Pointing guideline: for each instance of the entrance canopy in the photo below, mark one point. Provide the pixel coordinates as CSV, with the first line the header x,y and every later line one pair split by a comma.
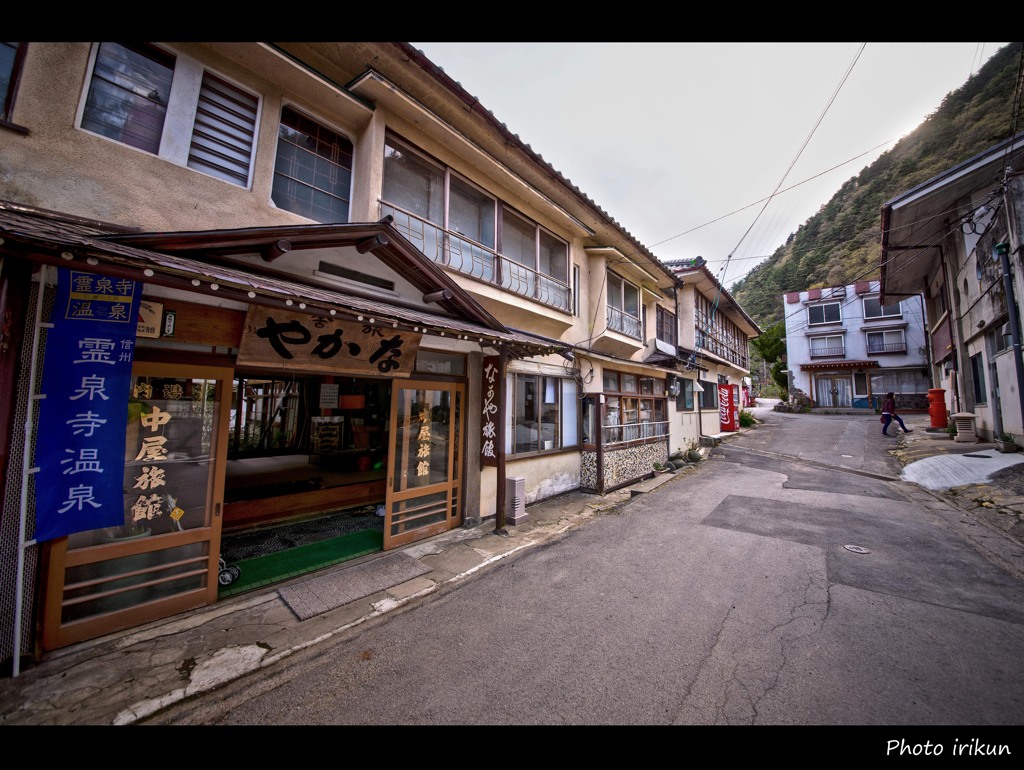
x,y
843,364
211,267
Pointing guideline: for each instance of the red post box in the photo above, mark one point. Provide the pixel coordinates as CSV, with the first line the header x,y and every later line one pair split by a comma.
x,y
937,407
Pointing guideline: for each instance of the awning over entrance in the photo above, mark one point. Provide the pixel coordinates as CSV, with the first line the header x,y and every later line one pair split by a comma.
x,y
61,240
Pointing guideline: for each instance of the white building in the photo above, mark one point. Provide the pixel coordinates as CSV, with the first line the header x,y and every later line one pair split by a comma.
x,y
845,349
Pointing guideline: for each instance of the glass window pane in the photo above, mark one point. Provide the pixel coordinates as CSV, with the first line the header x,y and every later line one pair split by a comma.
x,y
470,212
518,239
570,421
313,169
614,291
527,428
631,300
422,438
588,420
611,411
686,395
630,411
412,184
128,95
553,259
8,52
550,423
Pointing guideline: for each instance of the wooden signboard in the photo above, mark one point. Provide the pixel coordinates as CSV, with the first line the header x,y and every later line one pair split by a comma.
x,y
489,424
278,339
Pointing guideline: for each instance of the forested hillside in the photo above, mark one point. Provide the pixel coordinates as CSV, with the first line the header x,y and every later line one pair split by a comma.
x,y
841,243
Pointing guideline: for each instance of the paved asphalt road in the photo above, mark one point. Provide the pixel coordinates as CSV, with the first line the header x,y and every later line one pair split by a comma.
x,y
790,579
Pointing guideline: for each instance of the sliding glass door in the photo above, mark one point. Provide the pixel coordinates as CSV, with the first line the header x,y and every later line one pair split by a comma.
x,y
424,465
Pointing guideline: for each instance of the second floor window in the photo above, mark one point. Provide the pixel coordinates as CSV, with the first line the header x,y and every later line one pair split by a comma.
x,y
717,334
471,213
827,313
128,95
11,56
666,325
829,346
224,133
889,341
131,100
313,171
457,224
624,307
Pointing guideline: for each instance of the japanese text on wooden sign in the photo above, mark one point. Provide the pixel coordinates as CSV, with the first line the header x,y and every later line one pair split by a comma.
x,y
282,340
489,419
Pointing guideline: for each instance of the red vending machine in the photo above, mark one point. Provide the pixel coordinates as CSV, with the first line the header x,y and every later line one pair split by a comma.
x,y
729,407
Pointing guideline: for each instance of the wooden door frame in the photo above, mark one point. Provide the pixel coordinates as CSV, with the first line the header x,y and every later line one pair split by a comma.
x,y
453,484
59,558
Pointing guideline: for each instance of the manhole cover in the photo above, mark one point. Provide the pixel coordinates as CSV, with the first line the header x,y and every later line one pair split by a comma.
x,y
856,548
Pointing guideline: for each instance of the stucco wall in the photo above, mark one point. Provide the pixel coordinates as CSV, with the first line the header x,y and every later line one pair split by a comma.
x,y
546,476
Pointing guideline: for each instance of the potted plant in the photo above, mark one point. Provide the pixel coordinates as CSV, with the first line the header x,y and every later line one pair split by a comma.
x,y
1004,443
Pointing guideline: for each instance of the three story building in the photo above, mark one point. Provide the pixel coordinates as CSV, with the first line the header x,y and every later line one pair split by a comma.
x,y
846,349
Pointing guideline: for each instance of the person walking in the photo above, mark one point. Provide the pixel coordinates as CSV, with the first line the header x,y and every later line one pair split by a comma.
x,y
889,414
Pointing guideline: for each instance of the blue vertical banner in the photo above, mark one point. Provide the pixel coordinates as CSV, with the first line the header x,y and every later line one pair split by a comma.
x,y
87,370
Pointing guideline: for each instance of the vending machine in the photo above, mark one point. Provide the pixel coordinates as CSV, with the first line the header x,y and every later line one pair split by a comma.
x,y
729,407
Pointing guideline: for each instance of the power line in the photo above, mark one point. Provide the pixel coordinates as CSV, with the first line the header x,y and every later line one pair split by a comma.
x,y
776,194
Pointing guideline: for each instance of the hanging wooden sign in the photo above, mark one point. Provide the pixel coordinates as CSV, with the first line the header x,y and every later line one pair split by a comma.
x,y
277,339
489,421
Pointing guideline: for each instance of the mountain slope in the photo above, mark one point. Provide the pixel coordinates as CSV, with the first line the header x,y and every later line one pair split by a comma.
x,y
842,242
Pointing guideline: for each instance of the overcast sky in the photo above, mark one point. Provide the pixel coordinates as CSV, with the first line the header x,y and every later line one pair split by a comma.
x,y
684,143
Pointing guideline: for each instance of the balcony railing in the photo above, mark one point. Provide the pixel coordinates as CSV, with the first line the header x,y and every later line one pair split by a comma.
x,y
623,434
623,323
469,258
733,350
892,347
837,352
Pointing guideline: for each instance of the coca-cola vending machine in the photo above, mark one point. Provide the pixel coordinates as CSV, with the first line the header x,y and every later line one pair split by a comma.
x,y
729,407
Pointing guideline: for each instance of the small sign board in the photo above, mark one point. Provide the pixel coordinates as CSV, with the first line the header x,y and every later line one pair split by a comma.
x,y
151,318
328,395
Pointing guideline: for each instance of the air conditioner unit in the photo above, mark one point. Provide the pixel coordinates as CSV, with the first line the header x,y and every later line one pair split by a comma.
x,y
515,500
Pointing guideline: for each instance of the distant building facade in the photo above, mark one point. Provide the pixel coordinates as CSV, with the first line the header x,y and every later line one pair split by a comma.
x,y
845,349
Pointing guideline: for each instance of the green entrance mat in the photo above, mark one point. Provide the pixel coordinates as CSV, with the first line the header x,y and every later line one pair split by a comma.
x,y
273,568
